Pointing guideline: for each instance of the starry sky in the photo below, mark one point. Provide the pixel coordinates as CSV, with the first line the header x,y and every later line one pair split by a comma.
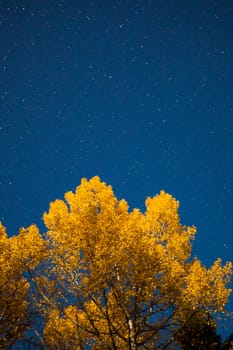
x,y
137,92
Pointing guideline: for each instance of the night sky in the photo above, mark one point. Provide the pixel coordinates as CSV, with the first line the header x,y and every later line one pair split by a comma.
x,y
137,92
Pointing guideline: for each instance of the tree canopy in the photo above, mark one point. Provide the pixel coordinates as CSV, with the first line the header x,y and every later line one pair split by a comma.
x,y
104,277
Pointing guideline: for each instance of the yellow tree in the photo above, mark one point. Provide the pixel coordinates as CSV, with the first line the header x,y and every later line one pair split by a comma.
x,y
120,279
17,254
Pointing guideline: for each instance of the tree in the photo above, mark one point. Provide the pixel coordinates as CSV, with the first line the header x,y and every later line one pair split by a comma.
x,y
199,333
17,254
118,279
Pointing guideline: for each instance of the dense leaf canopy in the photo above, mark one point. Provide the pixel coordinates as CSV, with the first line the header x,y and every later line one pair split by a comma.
x,y
104,277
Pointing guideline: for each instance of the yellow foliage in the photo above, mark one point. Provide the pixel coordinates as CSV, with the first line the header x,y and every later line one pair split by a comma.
x,y
17,255
126,271
105,277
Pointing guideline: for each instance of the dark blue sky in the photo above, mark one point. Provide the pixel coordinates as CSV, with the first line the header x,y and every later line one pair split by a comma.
x,y
137,92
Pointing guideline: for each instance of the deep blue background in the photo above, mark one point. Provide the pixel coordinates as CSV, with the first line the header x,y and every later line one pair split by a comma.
x,y
137,92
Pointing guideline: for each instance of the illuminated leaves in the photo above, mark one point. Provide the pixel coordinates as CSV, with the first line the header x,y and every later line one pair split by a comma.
x,y
129,275
17,255
105,277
